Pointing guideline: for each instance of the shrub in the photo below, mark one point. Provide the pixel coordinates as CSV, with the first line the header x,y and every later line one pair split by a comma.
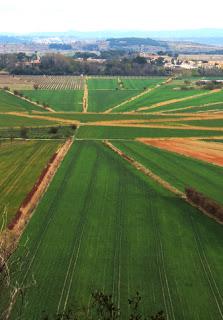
x,y
205,203
53,130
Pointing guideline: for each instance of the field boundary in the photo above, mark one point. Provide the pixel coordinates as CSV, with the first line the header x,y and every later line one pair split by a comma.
x,y
85,97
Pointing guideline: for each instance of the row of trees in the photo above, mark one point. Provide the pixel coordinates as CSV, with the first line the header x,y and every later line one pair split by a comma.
x,y
57,64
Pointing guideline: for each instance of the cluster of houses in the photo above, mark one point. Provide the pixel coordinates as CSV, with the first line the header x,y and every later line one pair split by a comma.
x,y
180,62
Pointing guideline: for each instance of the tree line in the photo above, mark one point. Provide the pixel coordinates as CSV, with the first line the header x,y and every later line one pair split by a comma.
x,y
58,64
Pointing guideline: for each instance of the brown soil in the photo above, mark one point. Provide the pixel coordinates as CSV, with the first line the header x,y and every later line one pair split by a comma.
x,y
158,126
42,117
211,152
85,97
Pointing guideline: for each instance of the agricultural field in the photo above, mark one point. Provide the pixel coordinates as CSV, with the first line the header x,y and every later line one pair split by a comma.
x,y
120,132
213,99
15,83
58,100
10,103
114,215
55,82
177,169
123,83
115,237
21,163
161,95
16,120
101,100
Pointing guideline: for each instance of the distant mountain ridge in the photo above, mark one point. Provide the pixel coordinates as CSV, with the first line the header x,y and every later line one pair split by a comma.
x,y
173,34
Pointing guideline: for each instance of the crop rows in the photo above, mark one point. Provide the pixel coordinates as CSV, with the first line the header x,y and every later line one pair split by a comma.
x,y
56,82
103,225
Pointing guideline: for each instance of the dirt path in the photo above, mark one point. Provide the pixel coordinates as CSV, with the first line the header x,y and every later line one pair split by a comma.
x,y
33,102
41,117
137,96
211,152
153,125
167,102
144,170
85,97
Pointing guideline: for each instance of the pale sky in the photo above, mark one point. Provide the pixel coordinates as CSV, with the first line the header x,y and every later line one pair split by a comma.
x,y
94,15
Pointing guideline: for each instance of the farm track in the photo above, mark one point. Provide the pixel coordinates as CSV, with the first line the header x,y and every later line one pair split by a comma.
x,y
42,117
85,97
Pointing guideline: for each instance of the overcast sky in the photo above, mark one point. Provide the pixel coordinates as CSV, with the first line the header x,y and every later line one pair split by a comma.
x,y
94,15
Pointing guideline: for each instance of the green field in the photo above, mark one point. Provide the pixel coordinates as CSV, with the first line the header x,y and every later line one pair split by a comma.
x,y
107,132
102,84
178,170
102,224
143,83
143,238
9,120
199,101
59,100
101,100
92,117
125,83
21,163
163,93
9,103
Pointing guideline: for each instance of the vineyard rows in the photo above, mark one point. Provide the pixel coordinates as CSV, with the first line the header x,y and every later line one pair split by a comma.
x,y
56,82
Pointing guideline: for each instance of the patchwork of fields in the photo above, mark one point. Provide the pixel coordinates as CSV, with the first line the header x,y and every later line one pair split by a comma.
x,y
109,220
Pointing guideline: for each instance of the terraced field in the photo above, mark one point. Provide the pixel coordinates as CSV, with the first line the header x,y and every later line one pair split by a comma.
x,y
21,163
128,238
115,220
